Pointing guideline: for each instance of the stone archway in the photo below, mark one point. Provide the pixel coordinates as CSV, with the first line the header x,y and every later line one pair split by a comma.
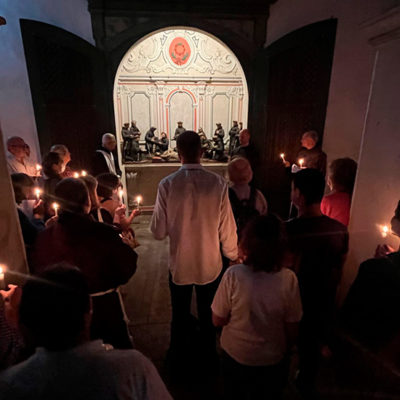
x,y
180,68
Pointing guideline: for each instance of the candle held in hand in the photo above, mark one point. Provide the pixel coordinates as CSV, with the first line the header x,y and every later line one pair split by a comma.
x,y
385,230
76,175
55,208
121,195
2,271
83,173
37,193
301,162
38,169
282,155
139,199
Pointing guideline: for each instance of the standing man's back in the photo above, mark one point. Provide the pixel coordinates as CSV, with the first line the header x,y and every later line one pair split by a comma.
x,y
193,209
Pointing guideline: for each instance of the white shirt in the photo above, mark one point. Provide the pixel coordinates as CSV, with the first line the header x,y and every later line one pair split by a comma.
x,y
243,193
193,209
15,167
258,304
85,372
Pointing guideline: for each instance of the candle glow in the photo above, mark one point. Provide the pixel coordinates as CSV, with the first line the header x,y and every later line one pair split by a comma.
x,y
38,167
301,162
282,155
2,271
76,175
55,206
121,195
83,173
37,193
385,230
139,199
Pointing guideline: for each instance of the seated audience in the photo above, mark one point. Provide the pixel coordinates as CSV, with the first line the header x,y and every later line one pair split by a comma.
x,y
246,200
23,189
258,304
105,158
319,245
372,304
55,312
52,168
17,158
64,153
97,250
336,205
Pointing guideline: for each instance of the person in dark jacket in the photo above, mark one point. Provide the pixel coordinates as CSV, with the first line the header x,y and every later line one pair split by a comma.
x,y
247,149
105,158
233,137
311,153
97,249
150,139
52,168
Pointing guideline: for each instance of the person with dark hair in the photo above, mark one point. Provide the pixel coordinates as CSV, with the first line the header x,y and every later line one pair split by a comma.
x,y
55,312
91,185
179,130
65,154
319,245
52,168
258,305
105,260
193,209
150,140
311,153
233,137
342,175
23,189
163,143
107,192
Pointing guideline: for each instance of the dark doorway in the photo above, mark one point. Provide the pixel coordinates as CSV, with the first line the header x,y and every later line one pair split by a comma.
x,y
289,96
67,77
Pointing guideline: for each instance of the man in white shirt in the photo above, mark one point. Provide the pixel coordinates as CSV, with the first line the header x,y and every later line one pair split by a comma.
x,y
193,209
17,159
105,159
55,311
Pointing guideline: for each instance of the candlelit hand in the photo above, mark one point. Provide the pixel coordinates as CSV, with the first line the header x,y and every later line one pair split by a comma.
x,y
38,209
287,164
12,298
129,239
382,250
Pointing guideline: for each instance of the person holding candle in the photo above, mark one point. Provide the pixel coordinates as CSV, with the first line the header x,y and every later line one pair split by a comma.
x,y
64,153
311,153
98,250
17,158
56,313
24,187
319,245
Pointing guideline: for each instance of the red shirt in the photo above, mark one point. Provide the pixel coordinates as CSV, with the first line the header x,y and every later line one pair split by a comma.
x,y
337,206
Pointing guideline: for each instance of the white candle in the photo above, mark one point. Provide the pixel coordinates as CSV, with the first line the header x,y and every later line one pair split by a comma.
x,y
83,173
301,162
37,193
139,199
2,271
55,208
385,230
38,169
76,175
282,155
121,195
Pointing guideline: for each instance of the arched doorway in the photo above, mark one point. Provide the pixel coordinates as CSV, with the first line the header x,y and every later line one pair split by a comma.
x,y
180,74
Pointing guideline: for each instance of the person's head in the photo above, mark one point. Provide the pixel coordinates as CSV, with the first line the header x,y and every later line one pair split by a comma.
x,y
108,185
244,137
23,186
308,187
73,196
17,147
219,125
163,135
263,243
52,164
108,141
133,123
91,185
240,171
55,308
189,147
153,129
180,123
200,131
235,123
126,125
27,150
309,139
64,153
342,175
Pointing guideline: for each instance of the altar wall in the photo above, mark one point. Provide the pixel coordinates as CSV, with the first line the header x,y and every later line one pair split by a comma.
x,y
148,176
180,74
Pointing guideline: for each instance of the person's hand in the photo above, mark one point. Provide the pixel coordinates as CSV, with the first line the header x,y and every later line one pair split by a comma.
x,y
12,298
128,238
38,209
382,250
51,221
120,210
287,164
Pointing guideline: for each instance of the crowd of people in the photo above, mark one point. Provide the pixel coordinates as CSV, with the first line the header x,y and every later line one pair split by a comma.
x,y
269,285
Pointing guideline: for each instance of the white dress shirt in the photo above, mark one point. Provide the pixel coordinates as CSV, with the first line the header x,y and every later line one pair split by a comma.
x,y
15,167
193,209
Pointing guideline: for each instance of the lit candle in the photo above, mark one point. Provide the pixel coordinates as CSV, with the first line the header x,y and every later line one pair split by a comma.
x,y
301,162
384,230
121,195
2,271
76,175
282,155
83,173
37,193
55,208
38,169
139,199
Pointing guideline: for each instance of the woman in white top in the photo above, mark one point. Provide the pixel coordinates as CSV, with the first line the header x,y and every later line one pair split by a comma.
x,y
258,305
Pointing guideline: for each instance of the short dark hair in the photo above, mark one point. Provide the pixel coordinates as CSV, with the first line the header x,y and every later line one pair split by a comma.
x,y
19,181
53,307
91,184
311,184
72,194
189,146
48,161
107,183
343,173
264,241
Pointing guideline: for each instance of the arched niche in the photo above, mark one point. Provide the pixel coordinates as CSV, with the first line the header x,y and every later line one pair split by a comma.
x,y
180,73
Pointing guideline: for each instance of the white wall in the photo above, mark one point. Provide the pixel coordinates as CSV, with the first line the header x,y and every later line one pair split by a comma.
x,y
352,63
16,109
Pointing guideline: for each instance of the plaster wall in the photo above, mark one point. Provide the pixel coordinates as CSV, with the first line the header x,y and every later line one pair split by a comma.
x,y
352,64
16,109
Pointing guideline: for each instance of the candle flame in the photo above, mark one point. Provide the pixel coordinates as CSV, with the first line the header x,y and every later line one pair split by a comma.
x,y
37,192
56,206
1,269
301,162
385,230
282,155
76,175
38,167
139,199
83,173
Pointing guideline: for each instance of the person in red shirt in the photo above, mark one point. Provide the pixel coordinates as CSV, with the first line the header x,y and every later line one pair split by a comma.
x,y
336,205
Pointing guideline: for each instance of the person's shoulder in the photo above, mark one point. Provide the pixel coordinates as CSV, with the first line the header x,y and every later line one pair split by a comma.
x,y
127,360
333,224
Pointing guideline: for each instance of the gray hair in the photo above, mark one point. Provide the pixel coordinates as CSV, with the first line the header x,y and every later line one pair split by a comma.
x,y
106,137
61,149
312,134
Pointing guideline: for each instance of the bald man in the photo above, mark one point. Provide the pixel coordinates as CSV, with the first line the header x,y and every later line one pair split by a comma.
x,y
246,149
105,159
17,159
